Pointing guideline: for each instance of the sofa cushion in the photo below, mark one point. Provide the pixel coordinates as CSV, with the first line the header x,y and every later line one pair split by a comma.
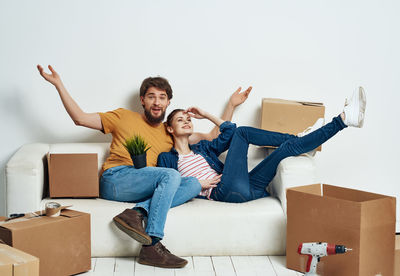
x,y
211,228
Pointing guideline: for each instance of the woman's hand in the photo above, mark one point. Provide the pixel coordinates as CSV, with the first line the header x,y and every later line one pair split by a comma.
x,y
196,112
210,183
238,98
53,78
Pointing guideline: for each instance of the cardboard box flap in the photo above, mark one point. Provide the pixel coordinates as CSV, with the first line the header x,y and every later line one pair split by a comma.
x,y
22,223
282,101
31,222
349,194
311,103
314,189
372,210
70,213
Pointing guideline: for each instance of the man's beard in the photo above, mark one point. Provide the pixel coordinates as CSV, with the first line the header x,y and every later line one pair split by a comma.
x,y
152,119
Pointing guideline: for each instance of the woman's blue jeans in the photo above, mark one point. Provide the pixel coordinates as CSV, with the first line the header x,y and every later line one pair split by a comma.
x,y
239,185
154,189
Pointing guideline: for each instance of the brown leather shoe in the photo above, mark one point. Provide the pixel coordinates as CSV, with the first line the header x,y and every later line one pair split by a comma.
x,y
131,222
158,255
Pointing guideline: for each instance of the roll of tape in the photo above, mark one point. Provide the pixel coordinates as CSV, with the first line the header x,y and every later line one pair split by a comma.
x,y
53,209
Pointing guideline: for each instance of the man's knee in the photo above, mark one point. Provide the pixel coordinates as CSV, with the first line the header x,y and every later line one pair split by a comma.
x,y
192,184
171,177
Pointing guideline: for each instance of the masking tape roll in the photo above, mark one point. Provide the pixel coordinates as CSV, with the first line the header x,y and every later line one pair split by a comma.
x,y
53,209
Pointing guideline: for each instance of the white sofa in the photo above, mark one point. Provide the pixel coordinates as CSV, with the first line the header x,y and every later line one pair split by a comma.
x,y
196,228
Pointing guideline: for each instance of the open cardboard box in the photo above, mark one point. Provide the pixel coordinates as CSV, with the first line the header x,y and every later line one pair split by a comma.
x,y
363,221
73,175
14,262
61,243
291,117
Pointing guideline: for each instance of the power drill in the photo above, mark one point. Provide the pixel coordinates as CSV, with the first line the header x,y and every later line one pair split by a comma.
x,y
316,250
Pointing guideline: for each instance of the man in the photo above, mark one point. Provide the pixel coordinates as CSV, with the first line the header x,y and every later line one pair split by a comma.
x,y
155,190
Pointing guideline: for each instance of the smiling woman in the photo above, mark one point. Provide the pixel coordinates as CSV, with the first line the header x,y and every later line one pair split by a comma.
x,y
232,182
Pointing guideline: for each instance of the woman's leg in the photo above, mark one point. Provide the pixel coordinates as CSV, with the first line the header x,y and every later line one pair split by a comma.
x,y
264,172
235,185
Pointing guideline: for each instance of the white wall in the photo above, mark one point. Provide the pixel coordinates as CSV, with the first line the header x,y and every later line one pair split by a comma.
x,y
307,50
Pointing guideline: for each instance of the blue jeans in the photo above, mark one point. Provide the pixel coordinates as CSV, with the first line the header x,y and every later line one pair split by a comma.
x,y
239,185
154,189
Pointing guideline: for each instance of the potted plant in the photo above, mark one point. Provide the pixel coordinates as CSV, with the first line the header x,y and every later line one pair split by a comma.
x,y
137,148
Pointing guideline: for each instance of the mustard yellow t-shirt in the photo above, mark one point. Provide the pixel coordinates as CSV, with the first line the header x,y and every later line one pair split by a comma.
x,y
123,124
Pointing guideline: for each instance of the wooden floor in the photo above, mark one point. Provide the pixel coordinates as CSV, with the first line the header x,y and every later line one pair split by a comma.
x,y
204,266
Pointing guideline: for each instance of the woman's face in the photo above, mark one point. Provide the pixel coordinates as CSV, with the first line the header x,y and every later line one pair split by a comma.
x,y
181,125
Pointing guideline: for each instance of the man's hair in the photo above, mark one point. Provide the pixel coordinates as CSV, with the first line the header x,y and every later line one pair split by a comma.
x,y
172,115
157,82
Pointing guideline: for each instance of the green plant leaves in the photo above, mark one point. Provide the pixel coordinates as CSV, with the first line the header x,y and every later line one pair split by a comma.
x,y
136,145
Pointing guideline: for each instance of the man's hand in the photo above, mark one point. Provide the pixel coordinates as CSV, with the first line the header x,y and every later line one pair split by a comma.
x,y
238,97
53,78
210,183
80,118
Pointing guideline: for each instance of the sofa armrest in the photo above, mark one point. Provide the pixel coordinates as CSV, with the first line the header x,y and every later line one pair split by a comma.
x,y
25,178
292,172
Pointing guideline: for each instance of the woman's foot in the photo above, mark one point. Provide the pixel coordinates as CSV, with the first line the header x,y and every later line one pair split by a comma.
x,y
354,109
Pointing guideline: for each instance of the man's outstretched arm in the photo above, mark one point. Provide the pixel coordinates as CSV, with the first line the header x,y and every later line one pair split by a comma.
x,y
80,118
236,99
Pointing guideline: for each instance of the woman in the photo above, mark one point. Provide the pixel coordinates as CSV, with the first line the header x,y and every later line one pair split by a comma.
x,y
232,182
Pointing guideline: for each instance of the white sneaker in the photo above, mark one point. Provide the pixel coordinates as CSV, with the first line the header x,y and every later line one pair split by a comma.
x,y
354,109
319,123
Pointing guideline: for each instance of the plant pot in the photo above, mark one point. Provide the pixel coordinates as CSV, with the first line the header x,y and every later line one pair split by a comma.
x,y
139,161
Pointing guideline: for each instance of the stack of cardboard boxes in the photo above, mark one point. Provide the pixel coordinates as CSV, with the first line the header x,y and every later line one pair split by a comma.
x,y
14,262
359,220
60,244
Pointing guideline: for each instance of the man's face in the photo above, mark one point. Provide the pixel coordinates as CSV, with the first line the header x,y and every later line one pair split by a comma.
x,y
155,103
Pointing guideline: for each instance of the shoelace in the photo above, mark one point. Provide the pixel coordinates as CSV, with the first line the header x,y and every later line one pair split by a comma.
x,y
162,249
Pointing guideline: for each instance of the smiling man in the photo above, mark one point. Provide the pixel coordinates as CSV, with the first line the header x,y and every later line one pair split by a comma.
x,y
155,190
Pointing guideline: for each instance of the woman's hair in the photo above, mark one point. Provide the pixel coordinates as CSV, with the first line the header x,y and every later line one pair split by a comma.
x,y
172,115
158,82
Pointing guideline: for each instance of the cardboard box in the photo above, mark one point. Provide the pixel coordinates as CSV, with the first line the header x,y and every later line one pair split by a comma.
x,y
14,262
73,175
291,117
365,222
61,243
397,256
